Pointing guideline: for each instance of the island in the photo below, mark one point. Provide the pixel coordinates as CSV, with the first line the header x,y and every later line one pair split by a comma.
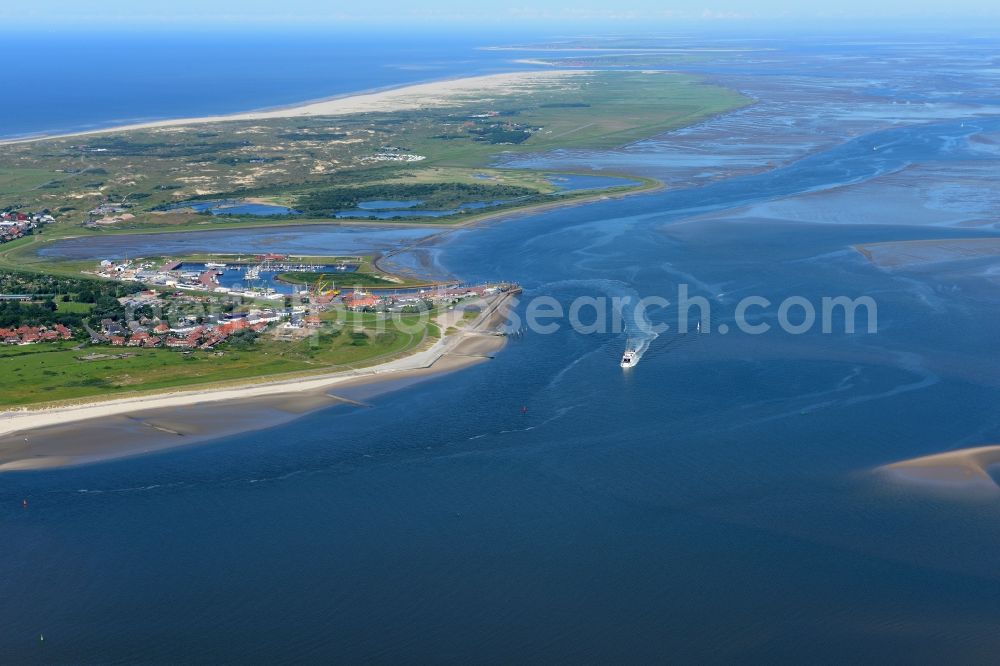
x,y
117,329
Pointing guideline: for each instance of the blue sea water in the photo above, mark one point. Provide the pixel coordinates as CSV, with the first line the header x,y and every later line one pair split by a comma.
x,y
79,80
711,506
236,279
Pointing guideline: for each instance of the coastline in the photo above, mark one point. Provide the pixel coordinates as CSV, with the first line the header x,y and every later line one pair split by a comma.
x,y
31,439
452,352
648,186
434,94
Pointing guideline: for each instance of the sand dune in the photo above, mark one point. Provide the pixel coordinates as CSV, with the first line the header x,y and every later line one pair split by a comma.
x,y
964,471
436,94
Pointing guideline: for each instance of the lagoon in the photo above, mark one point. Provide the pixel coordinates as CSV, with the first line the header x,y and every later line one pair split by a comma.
x,y
576,182
313,240
234,207
403,211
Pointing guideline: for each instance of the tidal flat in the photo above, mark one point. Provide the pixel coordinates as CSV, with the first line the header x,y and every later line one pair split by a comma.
x,y
718,500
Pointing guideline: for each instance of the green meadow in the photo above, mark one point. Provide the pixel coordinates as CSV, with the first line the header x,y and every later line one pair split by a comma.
x,y
58,372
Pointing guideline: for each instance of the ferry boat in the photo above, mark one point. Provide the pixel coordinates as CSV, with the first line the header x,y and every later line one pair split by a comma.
x,y
214,264
629,359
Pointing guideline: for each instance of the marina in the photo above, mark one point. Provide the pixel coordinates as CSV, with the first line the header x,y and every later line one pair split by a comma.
x,y
252,278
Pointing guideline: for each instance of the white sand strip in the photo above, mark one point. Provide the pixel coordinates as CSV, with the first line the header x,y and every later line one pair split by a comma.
x,y
435,94
475,340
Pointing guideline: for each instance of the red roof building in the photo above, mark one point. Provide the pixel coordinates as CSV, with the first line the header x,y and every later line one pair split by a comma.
x,y
360,299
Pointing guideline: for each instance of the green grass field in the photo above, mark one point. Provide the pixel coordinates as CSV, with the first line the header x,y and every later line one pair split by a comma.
x,y
349,280
621,107
20,183
73,307
56,372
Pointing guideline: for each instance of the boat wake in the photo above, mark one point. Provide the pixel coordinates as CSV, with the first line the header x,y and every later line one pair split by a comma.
x,y
639,331
638,328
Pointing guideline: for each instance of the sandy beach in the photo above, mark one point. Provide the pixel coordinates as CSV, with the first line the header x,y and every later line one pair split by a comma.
x,y
435,94
36,439
963,472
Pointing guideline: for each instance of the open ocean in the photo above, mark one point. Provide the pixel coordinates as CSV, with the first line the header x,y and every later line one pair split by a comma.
x,y
79,81
713,505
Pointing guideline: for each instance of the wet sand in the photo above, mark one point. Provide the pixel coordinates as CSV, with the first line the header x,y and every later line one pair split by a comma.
x,y
901,254
930,194
98,431
963,472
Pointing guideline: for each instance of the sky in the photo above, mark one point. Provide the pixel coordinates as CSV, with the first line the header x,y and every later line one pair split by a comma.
x,y
508,12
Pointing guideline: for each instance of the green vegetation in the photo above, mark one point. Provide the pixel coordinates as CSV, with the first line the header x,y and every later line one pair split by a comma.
x,y
60,300
367,276
58,371
315,164
502,133
21,257
71,307
607,109
312,136
15,181
84,289
125,146
340,280
55,372
312,161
